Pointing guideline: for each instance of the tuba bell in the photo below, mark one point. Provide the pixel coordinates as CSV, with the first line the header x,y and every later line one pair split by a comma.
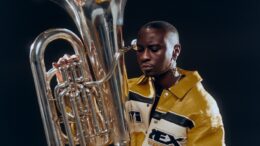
x,y
86,107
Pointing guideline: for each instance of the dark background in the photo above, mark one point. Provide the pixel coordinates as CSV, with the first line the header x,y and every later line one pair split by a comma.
x,y
220,39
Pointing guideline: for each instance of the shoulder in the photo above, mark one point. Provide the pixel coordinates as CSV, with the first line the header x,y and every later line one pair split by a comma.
x,y
142,86
202,102
195,95
133,81
202,107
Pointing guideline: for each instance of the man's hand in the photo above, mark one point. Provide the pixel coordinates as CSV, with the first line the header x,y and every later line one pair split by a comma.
x,y
62,62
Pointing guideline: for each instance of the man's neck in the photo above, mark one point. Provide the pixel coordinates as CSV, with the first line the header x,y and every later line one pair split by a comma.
x,y
167,79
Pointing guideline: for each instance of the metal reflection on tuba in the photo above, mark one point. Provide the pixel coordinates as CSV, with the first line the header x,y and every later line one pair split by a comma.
x,y
87,105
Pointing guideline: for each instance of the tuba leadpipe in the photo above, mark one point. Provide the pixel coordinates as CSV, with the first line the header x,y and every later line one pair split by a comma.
x,y
87,106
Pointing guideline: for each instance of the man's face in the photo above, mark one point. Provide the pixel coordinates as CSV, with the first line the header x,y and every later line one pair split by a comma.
x,y
154,54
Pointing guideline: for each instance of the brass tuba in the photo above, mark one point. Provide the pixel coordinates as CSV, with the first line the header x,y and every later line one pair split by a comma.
x,y
87,107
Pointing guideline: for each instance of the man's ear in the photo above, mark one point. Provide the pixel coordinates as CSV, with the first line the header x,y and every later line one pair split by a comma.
x,y
176,51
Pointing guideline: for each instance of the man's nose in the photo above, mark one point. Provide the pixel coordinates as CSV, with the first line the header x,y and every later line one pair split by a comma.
x,y
146,55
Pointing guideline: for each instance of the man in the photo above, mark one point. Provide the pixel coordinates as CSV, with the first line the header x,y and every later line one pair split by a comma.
x,y
168,105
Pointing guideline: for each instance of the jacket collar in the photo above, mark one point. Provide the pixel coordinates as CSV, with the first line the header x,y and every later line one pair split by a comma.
x,y
190,79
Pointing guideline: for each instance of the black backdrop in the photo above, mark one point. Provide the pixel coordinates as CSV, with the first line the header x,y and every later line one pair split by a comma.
x,y
219,38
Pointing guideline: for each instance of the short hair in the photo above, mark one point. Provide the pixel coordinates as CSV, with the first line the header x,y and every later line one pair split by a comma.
x,y
168,28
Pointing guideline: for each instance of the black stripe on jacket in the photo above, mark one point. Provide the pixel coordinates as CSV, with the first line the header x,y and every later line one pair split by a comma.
x,y
137,97
174,118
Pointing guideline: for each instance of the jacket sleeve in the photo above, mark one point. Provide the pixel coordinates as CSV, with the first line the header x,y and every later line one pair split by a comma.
x,y
208,131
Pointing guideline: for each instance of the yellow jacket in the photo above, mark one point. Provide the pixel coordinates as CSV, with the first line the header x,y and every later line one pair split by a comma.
x,y
186,114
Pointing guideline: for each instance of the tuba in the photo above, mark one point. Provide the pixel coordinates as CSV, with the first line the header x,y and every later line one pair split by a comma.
x,y
87,106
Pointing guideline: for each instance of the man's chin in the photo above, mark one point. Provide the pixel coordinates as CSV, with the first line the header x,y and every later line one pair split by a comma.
x,y
152,73
149,73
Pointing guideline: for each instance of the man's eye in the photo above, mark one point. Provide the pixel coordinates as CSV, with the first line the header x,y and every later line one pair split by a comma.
x,y
154,48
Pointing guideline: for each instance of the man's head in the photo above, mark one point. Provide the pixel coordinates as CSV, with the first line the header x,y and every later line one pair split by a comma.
x,y
157,48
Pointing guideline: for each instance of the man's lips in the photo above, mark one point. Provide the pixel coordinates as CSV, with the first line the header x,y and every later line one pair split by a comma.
x,y
146,66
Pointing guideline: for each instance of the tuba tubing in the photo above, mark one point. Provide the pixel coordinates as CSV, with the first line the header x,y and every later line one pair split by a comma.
x,y
42,78
87,108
